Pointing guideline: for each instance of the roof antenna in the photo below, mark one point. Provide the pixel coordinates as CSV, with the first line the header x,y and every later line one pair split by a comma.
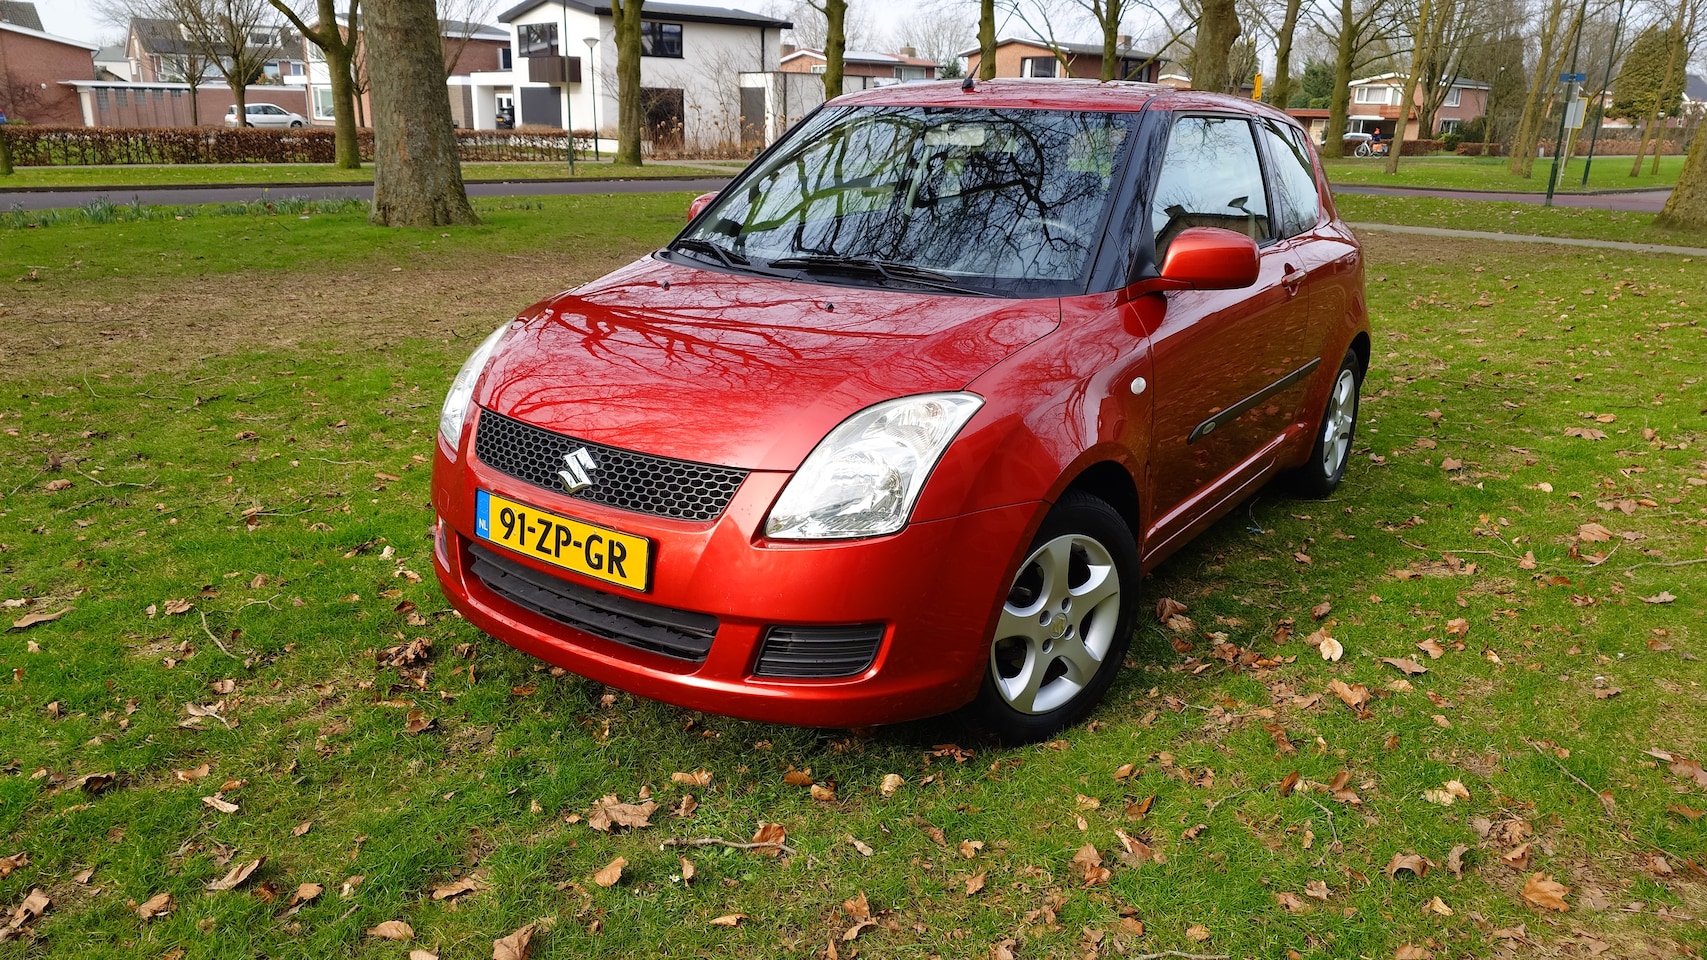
x,y
966,85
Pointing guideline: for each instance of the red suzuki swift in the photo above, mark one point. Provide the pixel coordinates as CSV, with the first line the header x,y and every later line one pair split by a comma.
x,y
895,424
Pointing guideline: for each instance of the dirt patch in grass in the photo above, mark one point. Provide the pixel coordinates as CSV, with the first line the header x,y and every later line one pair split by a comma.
x,y
173,327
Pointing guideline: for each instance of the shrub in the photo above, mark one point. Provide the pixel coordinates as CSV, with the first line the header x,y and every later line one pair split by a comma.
x,y
108,146
1450,141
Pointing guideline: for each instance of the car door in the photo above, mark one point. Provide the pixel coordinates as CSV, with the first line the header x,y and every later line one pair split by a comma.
x,y
1228,365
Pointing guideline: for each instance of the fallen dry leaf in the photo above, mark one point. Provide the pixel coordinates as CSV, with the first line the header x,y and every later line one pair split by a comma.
x,y
823,793
1593,533
891,783
1317,890
770,836
1433,648
1321,610
458,887
1331,649
1405,665
219,803
1455,860
31,619
1412,952
301,829
611,873
1663,596
1197,932
1167,608
392,930
688,869
1438,906
1291,902
1353,695
1546,893
516,946
158,905
975,883
237,876
728,920
1088,864
609,813
798,778
1415,864
698,778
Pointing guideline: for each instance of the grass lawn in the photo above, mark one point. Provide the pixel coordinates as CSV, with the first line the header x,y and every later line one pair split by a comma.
x,y
120,175
213,442
1522,218
1490,173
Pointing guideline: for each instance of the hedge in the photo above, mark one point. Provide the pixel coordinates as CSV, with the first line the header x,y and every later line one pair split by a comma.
x,y
34,146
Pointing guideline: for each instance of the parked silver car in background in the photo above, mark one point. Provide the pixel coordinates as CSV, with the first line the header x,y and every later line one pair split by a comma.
x,y
265,115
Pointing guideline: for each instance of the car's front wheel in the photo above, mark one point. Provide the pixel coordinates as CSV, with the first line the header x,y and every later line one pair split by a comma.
x,y
1334,435
1064,625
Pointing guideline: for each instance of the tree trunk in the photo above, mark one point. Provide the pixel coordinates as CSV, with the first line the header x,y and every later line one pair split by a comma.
x,y
1108,14
987,39
626,15
1686,209
347,151
835,45
1431,25
1679,50
1547,67
417,179
1217,30
195,104
1280,90
1339,108
5,152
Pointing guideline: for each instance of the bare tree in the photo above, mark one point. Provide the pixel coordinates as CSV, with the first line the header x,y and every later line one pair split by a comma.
x,y
1280,90
1554,35
1360,31
937,34
835,14
339,43
625,14
461,20
237,37
417,178
1431,19
188,66
1217,28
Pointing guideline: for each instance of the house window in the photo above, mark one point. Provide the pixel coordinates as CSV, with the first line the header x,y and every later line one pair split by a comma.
x,y
1453,97
505,61
323,103
536,40
123,97
101,99
660,39
1038,67
1371,94
1449,126
905,74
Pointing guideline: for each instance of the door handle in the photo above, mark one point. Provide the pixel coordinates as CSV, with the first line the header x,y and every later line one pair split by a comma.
x,y
1292,278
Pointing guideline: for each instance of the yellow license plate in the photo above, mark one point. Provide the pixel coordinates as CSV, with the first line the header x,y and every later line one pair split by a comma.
x,y
598,552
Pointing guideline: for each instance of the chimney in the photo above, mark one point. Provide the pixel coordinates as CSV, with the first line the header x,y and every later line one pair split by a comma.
x,y
787,49
1123,42
909,52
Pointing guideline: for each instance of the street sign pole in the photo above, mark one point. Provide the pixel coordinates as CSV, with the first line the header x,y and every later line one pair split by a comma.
x,y
1570,94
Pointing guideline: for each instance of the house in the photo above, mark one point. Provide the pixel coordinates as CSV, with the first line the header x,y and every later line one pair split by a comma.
x,y
1375,105
1694,96
467,48
882,68
111,63
1314,121
32,64
1019,57
562,71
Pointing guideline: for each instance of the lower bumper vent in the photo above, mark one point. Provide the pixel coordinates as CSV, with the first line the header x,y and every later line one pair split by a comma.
x,y
645,626
818,652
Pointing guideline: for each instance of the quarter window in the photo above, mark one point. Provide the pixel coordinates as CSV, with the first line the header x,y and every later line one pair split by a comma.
x,y
660,39
1297,206
1210,178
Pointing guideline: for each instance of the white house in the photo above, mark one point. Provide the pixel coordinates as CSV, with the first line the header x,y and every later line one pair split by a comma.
x,y
562,70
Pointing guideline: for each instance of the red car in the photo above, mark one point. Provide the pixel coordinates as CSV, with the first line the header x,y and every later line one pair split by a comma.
x,y
894,426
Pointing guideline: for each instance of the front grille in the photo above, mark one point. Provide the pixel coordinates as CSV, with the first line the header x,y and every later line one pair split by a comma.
x,y
818,652
659,486
645,626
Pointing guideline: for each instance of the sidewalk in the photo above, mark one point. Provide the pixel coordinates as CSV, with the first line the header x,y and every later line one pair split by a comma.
x,y
1530,238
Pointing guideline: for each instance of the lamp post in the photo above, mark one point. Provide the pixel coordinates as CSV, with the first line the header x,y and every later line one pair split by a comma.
x,y
593,92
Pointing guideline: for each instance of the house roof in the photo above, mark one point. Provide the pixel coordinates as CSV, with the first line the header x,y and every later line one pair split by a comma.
x,y
21,13
864,56
1695,88
1080,49
112,51
690,12
10,27
473,31
1386,79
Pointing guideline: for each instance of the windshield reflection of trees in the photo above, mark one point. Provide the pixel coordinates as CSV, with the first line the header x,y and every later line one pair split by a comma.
x,y
1011,194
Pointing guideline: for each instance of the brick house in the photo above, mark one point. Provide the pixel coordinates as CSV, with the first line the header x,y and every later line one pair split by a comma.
x,y
1375,105
33,63
1017,57
883,68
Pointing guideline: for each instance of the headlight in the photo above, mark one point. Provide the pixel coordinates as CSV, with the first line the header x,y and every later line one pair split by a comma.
x,y
462,388
863,479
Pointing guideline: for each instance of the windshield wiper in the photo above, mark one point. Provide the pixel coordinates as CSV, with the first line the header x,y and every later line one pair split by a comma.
x,y
728,258
870,267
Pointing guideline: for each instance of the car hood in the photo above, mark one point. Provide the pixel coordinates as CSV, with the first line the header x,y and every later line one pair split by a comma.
x,y
739,370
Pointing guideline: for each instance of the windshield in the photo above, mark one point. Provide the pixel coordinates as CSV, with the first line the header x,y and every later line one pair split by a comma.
x,y
1002,201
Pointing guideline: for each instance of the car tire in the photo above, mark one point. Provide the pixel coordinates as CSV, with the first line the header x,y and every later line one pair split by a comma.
x,y
1065,623
1335,432
295,123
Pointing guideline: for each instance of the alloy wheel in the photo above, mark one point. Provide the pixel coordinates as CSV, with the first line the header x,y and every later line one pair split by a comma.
x,y
1057,624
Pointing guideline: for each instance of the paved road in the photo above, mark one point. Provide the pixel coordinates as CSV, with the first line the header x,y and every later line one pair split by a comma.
x,y
171,196
1640,201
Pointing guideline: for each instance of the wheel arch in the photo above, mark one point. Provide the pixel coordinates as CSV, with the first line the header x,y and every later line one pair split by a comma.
x,y
1110,482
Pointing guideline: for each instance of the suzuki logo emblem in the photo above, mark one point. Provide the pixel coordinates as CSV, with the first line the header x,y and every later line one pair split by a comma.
x,y
577,472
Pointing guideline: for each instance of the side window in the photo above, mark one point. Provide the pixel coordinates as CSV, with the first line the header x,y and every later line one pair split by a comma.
x,y
1296,203
1210,177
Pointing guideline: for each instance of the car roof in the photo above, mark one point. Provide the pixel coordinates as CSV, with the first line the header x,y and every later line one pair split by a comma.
x,y
1054,94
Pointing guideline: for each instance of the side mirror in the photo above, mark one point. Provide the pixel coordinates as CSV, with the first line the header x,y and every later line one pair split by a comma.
x,y
1210,258
700,203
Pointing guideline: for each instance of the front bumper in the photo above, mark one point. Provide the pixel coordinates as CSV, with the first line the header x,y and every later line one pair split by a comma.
x,y
934,587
